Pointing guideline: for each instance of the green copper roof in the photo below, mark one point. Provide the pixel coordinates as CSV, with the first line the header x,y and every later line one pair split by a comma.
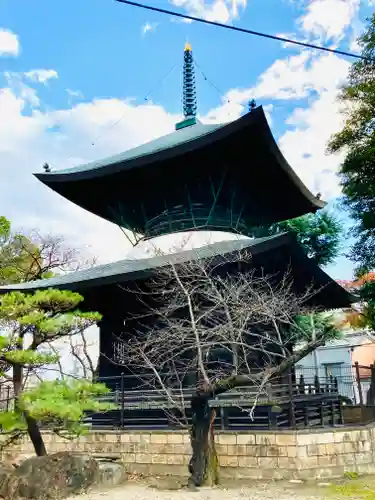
x,y
129,267
230,176
330,294
171,140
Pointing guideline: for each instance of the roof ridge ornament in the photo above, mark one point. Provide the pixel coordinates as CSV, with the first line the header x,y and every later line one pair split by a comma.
x,y
252,105
189,96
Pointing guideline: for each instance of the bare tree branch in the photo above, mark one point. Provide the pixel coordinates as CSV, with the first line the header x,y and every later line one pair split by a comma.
x,y
211,326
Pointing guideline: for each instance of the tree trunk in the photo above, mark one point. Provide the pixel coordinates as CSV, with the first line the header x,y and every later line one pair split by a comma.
x,y
204,464
32,425
35,435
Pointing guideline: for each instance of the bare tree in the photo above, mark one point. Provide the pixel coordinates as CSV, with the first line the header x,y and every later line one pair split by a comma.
x,y
45,255
223,324
79,348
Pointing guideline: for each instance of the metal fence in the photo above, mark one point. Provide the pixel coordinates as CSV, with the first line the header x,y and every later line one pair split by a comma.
x,y
354,382
6,397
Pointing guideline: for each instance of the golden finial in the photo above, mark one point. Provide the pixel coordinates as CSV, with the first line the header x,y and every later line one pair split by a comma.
x,y
188,47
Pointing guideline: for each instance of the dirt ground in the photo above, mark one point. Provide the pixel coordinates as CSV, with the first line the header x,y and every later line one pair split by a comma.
x,y
359,489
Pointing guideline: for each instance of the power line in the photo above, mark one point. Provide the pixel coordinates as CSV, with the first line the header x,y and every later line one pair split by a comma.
x,y
243,30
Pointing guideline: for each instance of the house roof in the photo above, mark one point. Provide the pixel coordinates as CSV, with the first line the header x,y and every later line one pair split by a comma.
x,y
352,339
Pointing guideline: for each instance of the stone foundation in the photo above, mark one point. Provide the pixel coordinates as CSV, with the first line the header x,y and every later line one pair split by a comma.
x,y
258,455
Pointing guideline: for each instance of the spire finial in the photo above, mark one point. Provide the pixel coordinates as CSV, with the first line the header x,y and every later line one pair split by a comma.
x,y
188,47
189,97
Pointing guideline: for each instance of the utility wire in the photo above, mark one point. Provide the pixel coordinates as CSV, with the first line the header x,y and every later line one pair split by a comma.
x,y
209,81
160,83
243,30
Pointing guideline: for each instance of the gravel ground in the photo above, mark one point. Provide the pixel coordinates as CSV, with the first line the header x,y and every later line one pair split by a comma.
x,y
274,491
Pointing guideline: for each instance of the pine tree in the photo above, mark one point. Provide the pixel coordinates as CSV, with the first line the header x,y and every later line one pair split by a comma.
x,y
30,322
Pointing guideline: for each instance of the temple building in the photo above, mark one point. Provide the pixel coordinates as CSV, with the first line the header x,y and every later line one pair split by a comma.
x,y
204,185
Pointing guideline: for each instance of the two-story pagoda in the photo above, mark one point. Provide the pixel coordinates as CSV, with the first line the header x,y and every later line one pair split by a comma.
x,y
224,179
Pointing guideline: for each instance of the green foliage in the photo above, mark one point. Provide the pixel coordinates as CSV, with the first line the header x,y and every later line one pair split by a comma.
x,y
318,234
4,230
351,475
45,316
60,404
64,403
318,326
30,358
367,295
11,421
20,258
357,140
352,486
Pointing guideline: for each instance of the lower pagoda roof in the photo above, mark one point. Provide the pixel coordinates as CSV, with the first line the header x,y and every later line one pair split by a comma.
x,y
271,255
203,176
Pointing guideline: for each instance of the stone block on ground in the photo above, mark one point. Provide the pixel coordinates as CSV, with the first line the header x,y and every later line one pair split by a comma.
x,y
52,477
111,474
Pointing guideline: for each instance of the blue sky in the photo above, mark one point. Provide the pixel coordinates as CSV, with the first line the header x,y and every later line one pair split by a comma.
x,y
69,70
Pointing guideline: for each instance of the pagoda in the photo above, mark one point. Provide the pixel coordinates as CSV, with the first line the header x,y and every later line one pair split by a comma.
x,y
225,179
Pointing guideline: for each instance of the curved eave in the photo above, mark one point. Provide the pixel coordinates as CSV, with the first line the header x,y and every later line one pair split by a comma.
x,y
329,292
117,164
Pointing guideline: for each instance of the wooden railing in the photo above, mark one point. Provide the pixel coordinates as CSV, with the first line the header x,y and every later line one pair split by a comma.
x,y
289,405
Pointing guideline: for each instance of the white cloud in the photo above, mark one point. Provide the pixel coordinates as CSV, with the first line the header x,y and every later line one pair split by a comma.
x,y
73,96
297,76
64,138
328,19
9,43
358,27
292,36
149,27
305,144
19,88
222,11
40,75
74,93
302,76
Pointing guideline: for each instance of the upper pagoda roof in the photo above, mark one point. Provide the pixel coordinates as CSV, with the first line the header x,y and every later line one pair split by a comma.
x,y
217,174
134,157
273,255
179,142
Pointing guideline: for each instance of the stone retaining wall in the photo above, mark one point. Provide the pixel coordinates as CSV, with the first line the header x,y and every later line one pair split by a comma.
x,y
258,455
